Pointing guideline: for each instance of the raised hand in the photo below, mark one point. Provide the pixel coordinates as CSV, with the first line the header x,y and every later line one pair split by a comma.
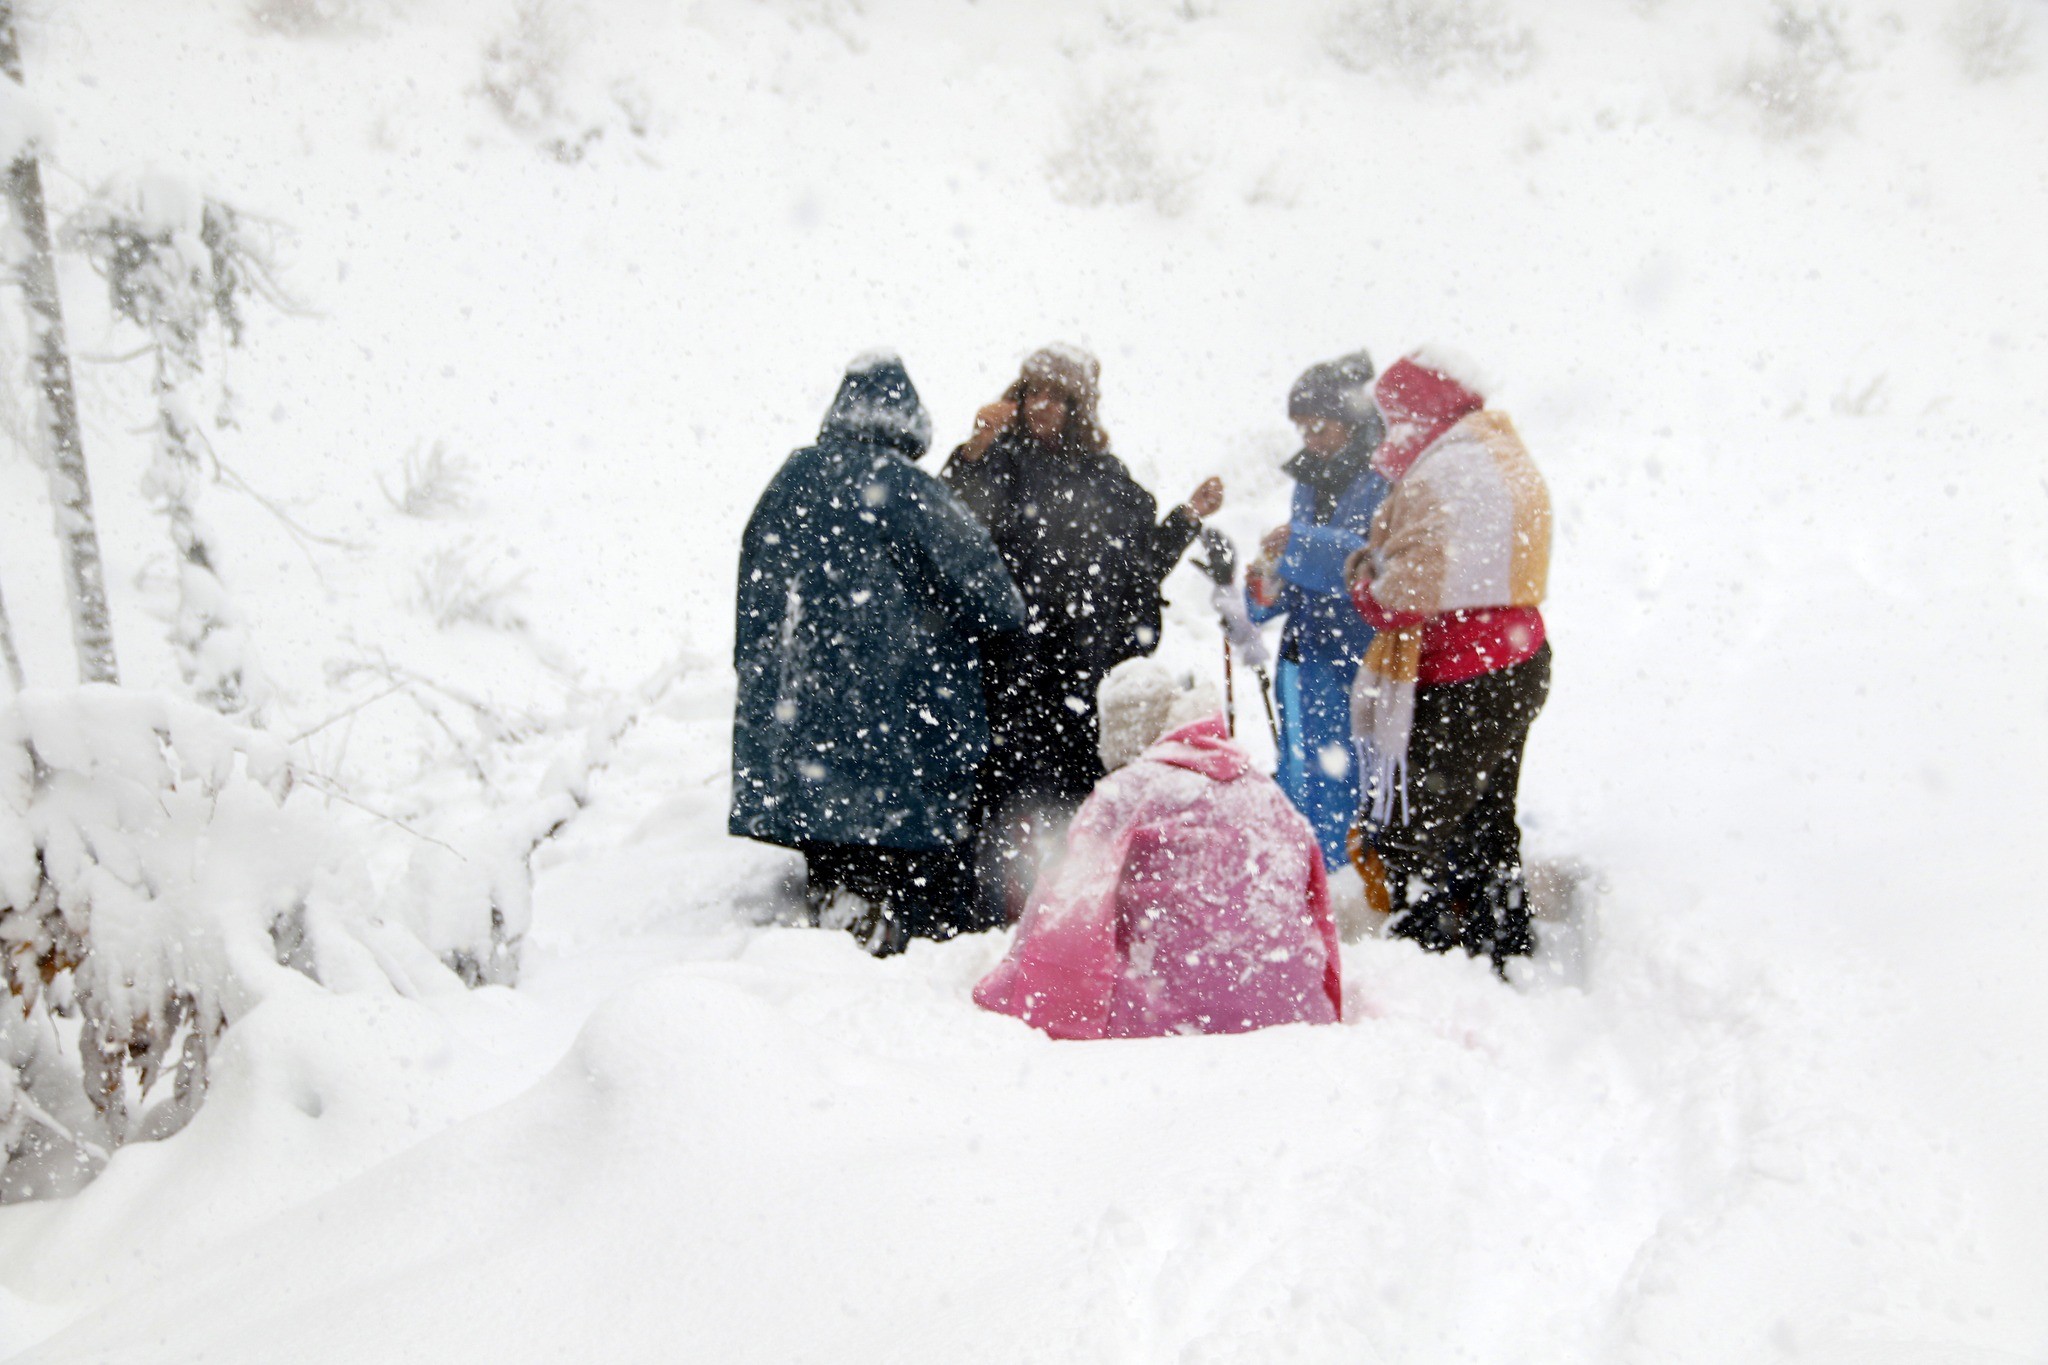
x,y
988,424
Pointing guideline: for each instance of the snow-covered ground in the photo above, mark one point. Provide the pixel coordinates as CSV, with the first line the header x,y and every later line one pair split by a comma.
x,y
1767,302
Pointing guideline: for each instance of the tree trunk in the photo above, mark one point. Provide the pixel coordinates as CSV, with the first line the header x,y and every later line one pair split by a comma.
x,y
70,489
7,652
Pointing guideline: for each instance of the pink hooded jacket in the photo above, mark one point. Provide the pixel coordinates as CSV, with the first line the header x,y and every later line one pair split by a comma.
x,y
1191,900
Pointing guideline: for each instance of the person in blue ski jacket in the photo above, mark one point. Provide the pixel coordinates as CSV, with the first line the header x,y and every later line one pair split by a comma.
x,y
1300,575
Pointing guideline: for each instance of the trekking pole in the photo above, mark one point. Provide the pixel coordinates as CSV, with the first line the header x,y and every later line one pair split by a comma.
x,y
1229,687
1266,696
1221,567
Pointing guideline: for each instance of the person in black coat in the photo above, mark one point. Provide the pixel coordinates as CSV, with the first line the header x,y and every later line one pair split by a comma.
x,y
1086,548
866,592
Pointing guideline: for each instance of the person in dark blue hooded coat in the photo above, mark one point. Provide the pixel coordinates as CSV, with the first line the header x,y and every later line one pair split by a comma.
x,y
1301,575
866,591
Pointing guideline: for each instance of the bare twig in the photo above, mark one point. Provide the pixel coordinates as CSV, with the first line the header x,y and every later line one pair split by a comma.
x,y
374,660
229,475
261,270
99,358
51,1122
646,696
334,790
398,686
468,752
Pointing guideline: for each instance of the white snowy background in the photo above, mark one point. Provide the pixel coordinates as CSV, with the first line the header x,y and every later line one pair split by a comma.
x,y
1763,287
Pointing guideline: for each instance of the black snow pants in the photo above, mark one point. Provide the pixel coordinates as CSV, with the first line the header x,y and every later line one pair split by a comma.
x,y
1454,865
887,896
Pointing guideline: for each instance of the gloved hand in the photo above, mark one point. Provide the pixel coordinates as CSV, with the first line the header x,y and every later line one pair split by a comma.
x,y
989,423
1358,568
1245,638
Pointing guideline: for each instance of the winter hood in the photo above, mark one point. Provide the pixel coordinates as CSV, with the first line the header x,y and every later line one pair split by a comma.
x,y
878,404
1075,375
1204,747
1419,403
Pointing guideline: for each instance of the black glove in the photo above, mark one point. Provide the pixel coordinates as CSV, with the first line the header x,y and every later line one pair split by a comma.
x,y
1221,565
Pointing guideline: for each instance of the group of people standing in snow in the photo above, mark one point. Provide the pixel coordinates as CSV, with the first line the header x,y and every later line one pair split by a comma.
x,y
936,672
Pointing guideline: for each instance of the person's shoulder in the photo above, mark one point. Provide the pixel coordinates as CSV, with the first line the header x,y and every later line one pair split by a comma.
x,y
903,474
1475,447
796,467
1120,801
1107,470
898,479
1163,787
803,457
1123,791
1107,462
1369,483
1256,798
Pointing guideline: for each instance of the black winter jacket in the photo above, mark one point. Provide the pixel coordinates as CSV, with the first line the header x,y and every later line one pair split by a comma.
x,y
1082,543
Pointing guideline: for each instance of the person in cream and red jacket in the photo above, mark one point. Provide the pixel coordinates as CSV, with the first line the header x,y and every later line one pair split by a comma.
x,y
1452,579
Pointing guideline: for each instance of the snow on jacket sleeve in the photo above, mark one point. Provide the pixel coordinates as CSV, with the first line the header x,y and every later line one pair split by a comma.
x,y
1063,965
954,551
1171,538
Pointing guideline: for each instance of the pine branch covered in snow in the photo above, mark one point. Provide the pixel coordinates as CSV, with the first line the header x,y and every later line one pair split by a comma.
x,y
1990,38
300,18
177,263
144,853
432,483
453,588
9,655
163,870
530,79
524,66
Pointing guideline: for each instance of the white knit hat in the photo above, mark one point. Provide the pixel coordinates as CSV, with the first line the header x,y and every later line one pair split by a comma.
x,y
1142,701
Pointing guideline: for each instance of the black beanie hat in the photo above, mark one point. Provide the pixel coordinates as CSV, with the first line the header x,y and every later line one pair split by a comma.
x,y
1340,390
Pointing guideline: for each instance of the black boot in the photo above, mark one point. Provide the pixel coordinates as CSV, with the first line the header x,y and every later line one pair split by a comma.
x,y
1428,914
880,930
1499,924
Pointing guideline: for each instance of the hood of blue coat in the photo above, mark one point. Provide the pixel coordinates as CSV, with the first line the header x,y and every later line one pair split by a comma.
x,y
877,404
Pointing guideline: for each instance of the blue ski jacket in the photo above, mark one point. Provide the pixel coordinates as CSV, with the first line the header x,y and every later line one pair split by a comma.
x,y
1324,640
1322,624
